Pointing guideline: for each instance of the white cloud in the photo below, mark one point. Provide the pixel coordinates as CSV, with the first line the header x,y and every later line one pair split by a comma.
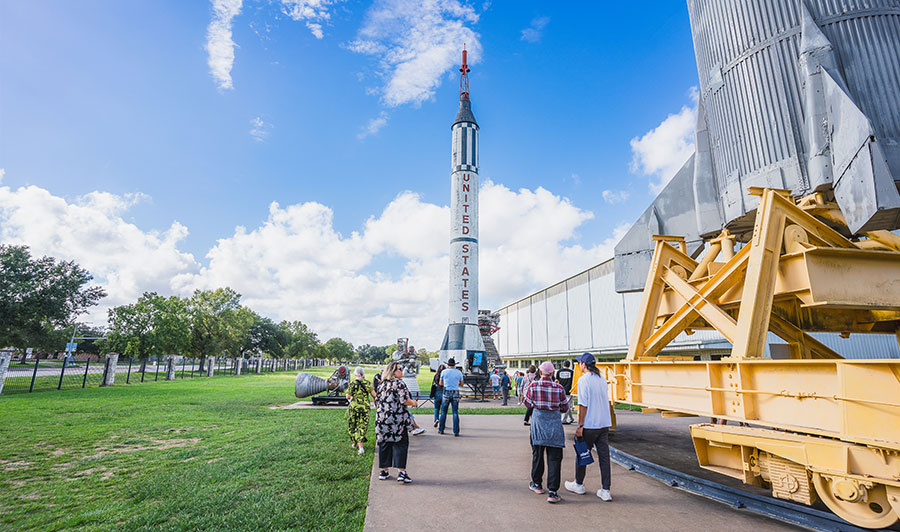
x,y
259,129
374,125
662,151
417,42
295,265
312,12
535,31
615,196
219,44
90,230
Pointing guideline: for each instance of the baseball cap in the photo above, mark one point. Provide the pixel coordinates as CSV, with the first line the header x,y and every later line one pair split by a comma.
x,y
586,358
547,368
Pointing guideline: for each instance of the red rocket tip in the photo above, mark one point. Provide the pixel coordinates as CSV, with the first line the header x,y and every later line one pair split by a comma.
x,y
464,77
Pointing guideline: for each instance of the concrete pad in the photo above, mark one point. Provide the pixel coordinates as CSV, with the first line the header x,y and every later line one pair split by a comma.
x,y
479,481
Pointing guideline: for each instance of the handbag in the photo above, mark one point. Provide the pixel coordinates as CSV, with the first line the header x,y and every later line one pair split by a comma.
x,y
433,390
583,454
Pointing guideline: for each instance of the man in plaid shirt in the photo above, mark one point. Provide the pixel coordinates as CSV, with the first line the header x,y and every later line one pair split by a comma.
x,y
544,394
548,399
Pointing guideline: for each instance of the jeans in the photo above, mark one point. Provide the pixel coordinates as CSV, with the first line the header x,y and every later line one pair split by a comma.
x,y
505,391
393,453
568,417
554,466
598,438
451,397
438,395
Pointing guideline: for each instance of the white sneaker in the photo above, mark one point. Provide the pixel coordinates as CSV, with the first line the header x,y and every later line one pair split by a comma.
x,y
418,431
360,451
575,487
603,494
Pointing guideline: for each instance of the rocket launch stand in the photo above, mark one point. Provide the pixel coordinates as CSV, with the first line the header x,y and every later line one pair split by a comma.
x,y
829,426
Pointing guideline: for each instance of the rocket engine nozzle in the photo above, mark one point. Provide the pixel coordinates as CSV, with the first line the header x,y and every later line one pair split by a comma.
x,y
307,385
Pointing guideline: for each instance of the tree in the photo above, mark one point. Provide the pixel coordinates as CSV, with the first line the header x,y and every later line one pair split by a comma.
x,y
206,310
37,295
304,343
265,336
339,350
238,323
152,326
371,354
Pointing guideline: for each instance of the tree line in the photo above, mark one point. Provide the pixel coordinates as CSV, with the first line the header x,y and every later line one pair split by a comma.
x,y
41,298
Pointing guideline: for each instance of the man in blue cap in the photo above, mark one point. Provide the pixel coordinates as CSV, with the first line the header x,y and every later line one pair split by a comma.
x,y
594,420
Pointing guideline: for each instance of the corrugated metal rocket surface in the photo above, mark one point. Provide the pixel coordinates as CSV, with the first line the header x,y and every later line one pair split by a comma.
x,y
796,94
463,335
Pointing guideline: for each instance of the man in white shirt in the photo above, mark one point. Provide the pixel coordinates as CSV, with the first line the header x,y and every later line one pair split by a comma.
x,y
594,420
495,384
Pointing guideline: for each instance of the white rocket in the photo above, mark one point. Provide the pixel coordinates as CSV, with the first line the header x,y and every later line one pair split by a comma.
x,y
462,340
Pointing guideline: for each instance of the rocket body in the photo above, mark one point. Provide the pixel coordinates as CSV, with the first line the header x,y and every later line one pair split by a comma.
x,y
462,341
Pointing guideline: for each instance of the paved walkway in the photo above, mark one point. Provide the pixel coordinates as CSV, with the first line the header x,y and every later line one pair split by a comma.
x,y
479,481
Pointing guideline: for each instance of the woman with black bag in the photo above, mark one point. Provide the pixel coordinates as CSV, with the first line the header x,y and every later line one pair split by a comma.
x,y
392,422
437,392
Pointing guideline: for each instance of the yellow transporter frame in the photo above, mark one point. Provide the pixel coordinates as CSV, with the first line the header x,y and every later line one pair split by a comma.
x,y
823,426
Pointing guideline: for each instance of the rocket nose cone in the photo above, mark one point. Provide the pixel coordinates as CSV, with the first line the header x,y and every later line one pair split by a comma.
x,y
465,113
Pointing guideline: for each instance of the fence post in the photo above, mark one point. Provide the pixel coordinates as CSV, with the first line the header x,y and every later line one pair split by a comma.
x,y
62,373
109,372
128,377
86,366
170,368
183,363
157,369
238,362
210,366
37,362
258,368
5,357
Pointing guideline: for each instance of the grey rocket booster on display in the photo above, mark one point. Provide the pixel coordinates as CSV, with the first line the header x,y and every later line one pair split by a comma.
x,y
463,341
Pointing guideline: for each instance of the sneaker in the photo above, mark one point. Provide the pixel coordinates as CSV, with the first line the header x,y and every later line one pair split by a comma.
x,y
436,423
552,497
360,451
418,431
527,423
535,487
575,487
441,432
456,435
384,475
604,495
403,477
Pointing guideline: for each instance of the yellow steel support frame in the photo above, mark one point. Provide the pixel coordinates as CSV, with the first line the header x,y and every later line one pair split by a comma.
x,y
832,426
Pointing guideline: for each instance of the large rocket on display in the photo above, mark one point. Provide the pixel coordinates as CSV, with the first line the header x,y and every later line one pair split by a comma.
x,y
462,341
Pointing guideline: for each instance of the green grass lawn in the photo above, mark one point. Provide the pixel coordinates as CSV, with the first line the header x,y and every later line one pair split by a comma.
x,y
197,454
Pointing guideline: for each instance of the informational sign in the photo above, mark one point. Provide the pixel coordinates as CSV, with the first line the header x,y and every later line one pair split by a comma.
x,y
71,347
29,351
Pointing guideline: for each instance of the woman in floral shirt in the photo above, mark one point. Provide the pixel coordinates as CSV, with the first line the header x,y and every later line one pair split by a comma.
x,y
393,422
360,394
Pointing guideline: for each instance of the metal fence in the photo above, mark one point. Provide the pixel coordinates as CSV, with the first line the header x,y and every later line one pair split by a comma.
x,y
36,375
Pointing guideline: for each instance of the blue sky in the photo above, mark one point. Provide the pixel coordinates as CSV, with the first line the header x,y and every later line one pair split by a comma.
x,y
119,137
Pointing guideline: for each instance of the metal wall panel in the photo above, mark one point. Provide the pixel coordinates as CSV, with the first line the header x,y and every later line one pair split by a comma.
x,y
557,318
579,303
513,333
607,308
502,340
539,322
524,307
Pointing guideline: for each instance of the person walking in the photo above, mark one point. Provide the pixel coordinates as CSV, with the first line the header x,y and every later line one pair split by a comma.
x,y
392,422
520,381
504,387
548,399
529,378
495,385
594,421
564,378
360,394
451,378
437,392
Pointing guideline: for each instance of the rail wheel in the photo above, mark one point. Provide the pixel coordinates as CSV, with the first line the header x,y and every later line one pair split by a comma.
x,y
865,506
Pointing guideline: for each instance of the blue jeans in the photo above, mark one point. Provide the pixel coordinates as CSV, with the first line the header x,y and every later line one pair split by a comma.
x,y
437,404
451,397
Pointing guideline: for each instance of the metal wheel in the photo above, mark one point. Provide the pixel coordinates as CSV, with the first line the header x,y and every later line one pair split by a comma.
x,y
865,507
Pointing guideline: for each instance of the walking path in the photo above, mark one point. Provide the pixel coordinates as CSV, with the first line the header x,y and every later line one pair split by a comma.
x,y
479,481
